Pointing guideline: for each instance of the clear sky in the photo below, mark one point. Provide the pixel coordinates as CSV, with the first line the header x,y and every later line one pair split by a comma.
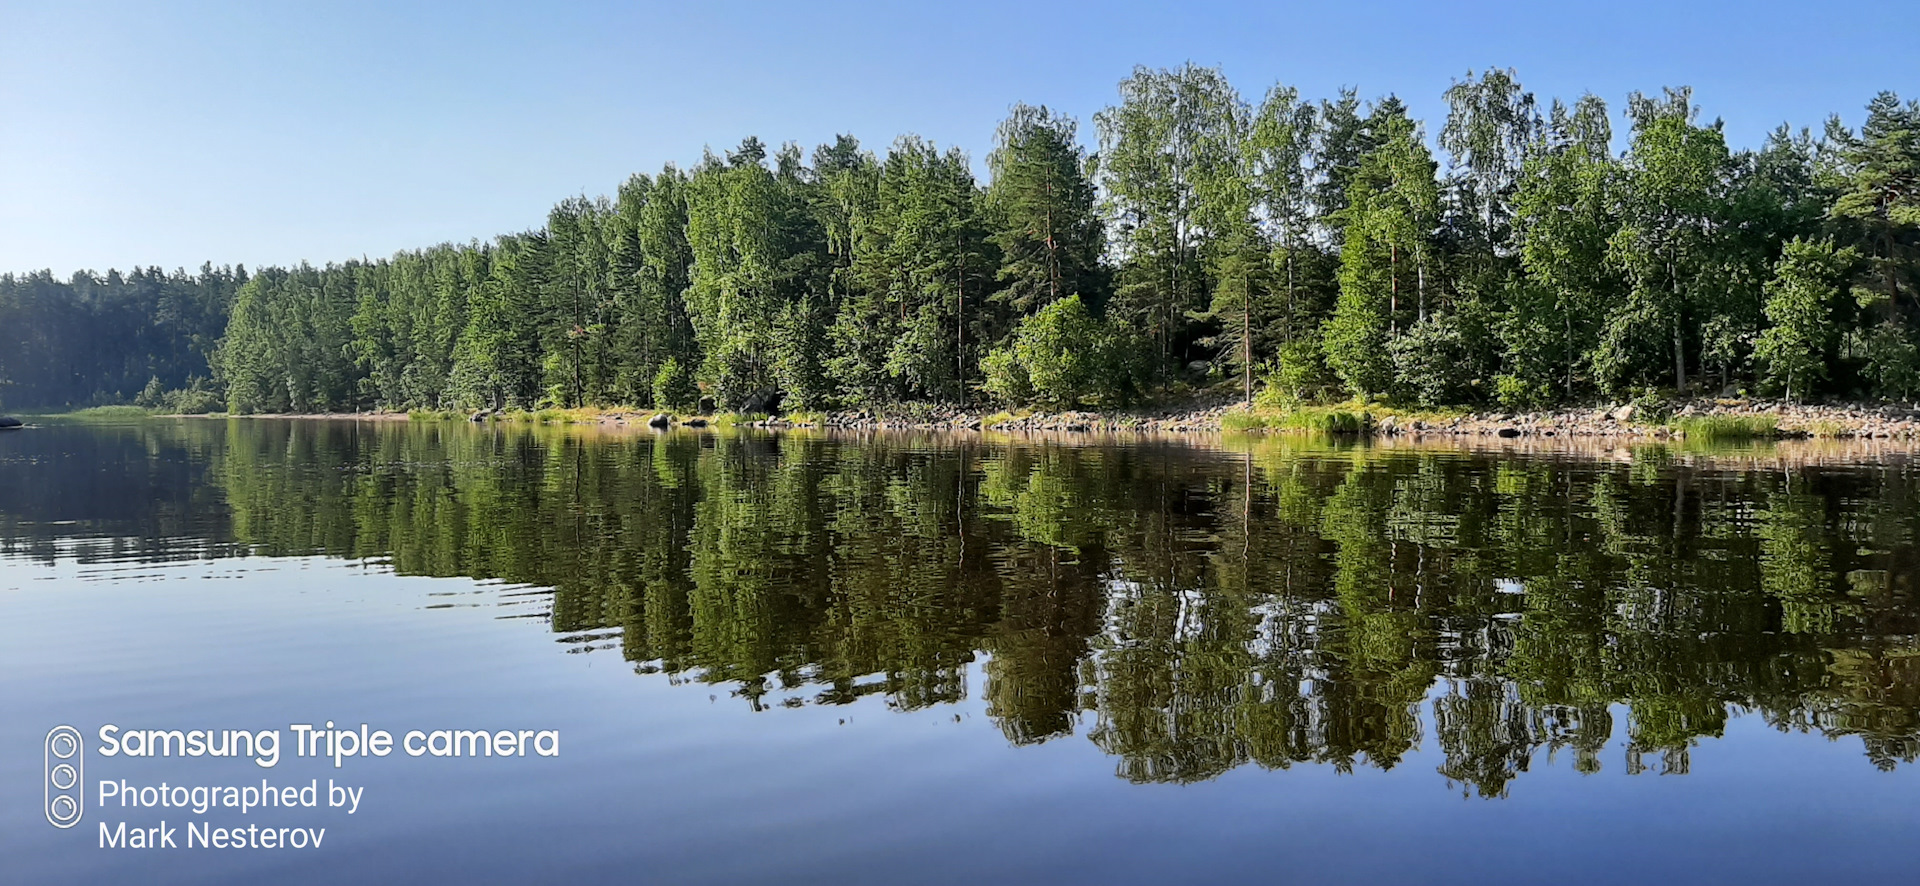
x,y
171,134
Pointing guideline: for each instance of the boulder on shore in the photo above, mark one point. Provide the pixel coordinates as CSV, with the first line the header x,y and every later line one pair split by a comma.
x,y
765,401
660,420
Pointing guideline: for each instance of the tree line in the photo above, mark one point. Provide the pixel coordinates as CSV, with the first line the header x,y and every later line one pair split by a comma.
x,y
1307,249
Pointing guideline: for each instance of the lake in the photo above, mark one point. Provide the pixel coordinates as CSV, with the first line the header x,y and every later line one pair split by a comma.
x,y
810,658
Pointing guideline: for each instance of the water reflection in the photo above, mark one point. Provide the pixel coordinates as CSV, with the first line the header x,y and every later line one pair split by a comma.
x,y
1188,610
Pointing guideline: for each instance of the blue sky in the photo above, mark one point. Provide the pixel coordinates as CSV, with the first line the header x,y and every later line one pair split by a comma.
x,y
142,134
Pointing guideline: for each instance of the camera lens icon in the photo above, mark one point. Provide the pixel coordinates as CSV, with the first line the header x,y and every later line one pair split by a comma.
x,y
65,763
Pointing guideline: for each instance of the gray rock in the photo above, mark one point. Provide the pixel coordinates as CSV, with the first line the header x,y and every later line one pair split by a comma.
x,y
660,420
765,401
1508,432
8,421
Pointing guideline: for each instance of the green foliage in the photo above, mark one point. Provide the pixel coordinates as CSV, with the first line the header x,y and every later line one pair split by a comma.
x,y
94,339
1879,170
1312,243
1727,427
1331,420
1355,337
1063,357
1041,208
197,398
1157,148
673,387
1517,393
1651,405
1893,362
921,269
1392,205
1299,373
1564,220
108,413
1803,299
1428,361
1673,199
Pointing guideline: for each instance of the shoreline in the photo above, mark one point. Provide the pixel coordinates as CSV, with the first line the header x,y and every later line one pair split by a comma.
x,y
1703,417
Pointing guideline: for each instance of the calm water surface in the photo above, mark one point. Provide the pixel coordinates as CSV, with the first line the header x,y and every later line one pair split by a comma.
x,y
806,659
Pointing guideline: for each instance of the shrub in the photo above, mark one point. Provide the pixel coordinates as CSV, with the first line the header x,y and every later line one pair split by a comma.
x,y
1300,373
1061,357
1652,405
1515,393
1893,362
673,387
197,398
194,401
1428,362
1006,377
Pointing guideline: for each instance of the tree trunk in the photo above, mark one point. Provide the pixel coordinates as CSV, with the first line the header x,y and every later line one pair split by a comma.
x,y
1420,278
1290,320
1246,341
1393,290
960,322
1679,344
1679,357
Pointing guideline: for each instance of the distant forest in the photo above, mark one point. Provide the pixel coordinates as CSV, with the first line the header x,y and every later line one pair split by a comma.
x,y
1289,249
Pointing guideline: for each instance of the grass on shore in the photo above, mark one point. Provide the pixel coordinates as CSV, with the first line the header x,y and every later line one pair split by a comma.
x,y
98,414
1716,428
1351,417
1827,429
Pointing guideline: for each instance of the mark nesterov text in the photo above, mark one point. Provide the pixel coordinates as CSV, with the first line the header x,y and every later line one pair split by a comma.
x,y
205,836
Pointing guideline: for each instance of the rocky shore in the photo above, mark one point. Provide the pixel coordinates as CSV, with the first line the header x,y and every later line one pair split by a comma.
x,y
1760,417
1787,420
1190,418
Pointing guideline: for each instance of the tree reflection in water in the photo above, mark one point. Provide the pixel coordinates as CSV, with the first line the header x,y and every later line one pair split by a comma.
x,y
1189,610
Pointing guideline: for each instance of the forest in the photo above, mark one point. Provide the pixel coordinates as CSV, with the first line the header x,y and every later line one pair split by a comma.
x,y
1288,249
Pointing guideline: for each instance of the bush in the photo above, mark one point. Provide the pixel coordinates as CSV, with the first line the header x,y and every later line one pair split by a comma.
x,y
673,387
1428,363
1893,362
1061,357
1652,405
197,398
1300,373
1515,393
153,396
1006,377
194,401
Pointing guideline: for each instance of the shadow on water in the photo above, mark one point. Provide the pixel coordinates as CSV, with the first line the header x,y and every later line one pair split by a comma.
x,y
1189,609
